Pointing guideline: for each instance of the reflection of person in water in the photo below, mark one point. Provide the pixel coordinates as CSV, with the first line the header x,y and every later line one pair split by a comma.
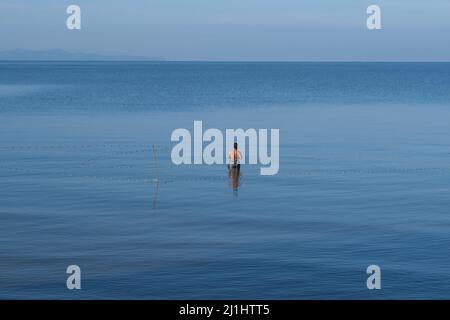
x,y
234,167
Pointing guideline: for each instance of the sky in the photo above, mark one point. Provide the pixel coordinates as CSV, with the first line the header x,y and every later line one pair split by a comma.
x,y
233,30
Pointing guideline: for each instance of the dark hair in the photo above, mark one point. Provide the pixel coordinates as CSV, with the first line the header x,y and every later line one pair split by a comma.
x,y
235,145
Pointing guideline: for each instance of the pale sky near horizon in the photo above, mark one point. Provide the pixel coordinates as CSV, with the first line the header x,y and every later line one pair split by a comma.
x,y
277,30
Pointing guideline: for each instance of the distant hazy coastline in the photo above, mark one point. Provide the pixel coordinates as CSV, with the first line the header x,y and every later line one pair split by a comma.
x,y
62,55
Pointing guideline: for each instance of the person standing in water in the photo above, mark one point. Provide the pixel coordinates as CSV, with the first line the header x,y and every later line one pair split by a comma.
x,y
234,168
234,156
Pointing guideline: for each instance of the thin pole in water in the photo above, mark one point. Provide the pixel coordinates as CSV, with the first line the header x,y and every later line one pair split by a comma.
x,y
155,177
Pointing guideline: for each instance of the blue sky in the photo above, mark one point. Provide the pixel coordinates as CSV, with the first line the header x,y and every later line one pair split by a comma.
x,y
281,30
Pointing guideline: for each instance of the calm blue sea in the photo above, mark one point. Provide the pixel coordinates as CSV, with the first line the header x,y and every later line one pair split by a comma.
x,y
364,179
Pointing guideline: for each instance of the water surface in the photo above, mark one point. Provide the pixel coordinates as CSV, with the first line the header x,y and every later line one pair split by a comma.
x,y
364,179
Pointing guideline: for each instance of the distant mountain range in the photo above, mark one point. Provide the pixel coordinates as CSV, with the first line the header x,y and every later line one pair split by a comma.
x,y
62,55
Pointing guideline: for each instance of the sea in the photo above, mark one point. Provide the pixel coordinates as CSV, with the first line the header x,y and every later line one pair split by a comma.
x,y
87,179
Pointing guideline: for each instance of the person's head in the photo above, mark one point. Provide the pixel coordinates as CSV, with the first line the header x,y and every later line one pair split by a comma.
x,y
235,146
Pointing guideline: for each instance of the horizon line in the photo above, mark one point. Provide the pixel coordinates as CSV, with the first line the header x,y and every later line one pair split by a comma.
x,y
224,61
